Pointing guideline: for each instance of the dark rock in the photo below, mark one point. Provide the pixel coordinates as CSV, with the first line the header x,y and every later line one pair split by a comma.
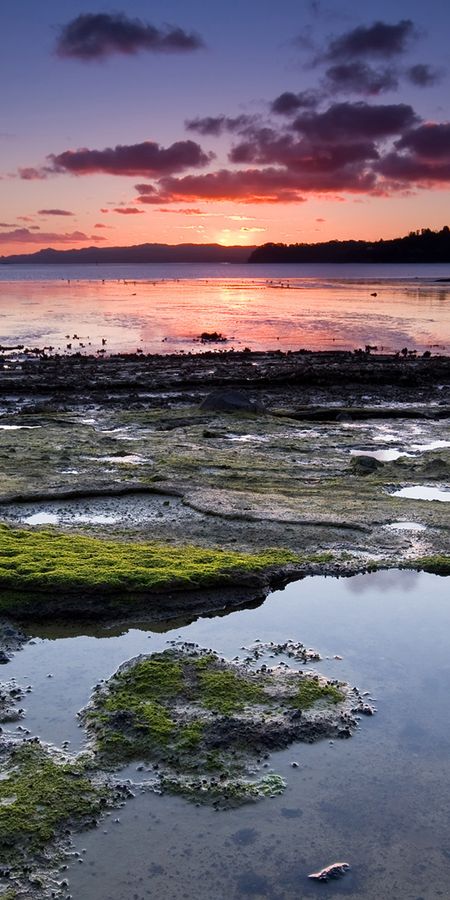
x,y
436,468
229,400
364,465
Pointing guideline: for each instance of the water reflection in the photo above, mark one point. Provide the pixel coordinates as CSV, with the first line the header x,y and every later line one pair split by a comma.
x,y
376,800
168,315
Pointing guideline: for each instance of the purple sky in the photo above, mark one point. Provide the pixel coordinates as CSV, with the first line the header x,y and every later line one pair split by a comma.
x,y
237,123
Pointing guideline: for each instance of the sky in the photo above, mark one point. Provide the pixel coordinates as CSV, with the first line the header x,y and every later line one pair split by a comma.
x,y
236,123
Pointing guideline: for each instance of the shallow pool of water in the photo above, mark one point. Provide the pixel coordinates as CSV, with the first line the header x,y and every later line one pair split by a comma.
x,y
131,509
377,800
381,455
406,526
420,492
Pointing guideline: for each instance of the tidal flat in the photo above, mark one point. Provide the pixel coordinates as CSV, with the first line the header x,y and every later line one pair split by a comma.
x,y
154,499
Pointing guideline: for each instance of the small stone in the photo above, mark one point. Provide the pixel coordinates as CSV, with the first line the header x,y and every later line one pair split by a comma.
x,y
335,870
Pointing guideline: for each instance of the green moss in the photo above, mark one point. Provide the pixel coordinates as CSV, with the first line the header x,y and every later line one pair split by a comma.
x,y
189,736
436,565
39,795
227,692
311,691
45,560
151,679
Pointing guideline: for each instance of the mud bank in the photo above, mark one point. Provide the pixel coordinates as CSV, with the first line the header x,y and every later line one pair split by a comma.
x,y
128,448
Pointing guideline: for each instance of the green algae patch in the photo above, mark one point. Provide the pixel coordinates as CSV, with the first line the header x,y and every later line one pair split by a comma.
x,y
311,691
39,796
435,565
44,560
204,722
227,692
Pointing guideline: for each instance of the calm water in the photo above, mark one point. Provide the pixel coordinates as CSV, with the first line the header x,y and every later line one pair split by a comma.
x,y
378,801
162,309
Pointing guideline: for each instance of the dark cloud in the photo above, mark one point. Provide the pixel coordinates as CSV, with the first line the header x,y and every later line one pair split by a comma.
x,y
359,78
216,125
379,40
148,159
93,36
127,210
25,218
288,103
409,169
26,236
6,225
55,212
346,122
430,141
315,166
302,155
423,75
421,157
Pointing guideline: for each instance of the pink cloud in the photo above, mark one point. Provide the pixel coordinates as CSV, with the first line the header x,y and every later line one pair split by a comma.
x,y
127,210
26,236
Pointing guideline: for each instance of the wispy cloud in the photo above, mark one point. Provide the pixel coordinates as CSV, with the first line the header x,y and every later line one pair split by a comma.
x,y
214,126
95,36
26,236
55,212
127,210
424,75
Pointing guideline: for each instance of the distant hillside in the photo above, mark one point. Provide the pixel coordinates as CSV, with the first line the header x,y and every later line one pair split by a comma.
x,y
423,246
140,253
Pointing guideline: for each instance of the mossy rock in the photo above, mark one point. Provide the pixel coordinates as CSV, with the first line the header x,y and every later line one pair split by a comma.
x,y
203,720
40,795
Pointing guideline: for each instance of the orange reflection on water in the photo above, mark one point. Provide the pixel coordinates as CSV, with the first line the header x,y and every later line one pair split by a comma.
x,y
169,315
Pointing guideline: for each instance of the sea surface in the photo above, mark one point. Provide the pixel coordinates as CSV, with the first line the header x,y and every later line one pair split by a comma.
x,y
100,309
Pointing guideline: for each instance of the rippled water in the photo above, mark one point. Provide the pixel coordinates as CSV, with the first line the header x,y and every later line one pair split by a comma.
x,y
378,801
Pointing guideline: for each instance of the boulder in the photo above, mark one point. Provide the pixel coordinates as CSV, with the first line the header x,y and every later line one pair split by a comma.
x,y
230,401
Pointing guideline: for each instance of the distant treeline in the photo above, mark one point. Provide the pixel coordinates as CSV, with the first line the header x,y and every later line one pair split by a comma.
x,y
424,246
